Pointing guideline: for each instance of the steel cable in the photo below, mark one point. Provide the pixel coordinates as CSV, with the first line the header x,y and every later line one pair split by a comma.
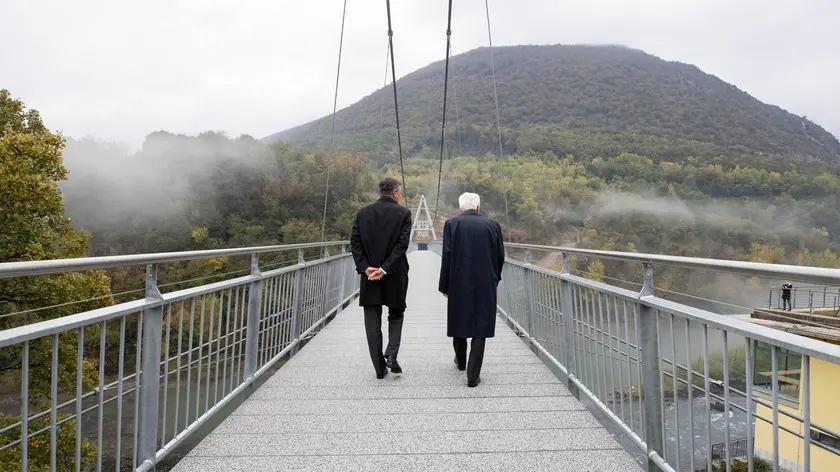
x,y
443,120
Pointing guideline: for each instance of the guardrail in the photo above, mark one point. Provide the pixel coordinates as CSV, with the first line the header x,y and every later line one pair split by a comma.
x,y
737,449
674,378
192,351
812,297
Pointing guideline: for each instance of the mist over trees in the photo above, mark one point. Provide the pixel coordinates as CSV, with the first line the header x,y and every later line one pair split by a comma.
x,y
212,191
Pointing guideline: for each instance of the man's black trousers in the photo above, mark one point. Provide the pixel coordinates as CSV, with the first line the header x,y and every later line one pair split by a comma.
x,y
373,330
476,355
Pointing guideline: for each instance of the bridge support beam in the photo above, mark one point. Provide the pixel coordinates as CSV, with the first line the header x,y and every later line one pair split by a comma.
x,y
149,375
651,373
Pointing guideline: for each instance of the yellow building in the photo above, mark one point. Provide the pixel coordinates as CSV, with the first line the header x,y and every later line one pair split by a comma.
x,y
825,407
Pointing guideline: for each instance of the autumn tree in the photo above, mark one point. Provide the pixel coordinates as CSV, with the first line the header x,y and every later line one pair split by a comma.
x,y
34,228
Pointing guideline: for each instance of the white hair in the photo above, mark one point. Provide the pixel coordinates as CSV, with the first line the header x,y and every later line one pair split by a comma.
x,y
469,201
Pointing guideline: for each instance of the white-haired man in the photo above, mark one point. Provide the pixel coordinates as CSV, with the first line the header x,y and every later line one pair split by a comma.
x,y
471,268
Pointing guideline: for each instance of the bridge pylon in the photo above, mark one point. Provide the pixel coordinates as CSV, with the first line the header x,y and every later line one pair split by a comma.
x,y
423,228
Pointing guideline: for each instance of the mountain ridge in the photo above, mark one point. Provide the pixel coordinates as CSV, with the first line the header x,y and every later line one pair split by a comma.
x,y
613,89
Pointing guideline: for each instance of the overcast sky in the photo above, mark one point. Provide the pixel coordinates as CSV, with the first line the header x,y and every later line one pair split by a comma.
x,y
120,70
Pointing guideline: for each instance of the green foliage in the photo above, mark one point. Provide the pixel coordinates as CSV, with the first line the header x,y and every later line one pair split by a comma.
x,y
759,465
39,446
35,228
595,270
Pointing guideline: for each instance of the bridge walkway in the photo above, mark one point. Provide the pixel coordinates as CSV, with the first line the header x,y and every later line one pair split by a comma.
x,y
325,410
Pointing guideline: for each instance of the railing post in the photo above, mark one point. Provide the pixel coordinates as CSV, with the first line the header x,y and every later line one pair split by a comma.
x,y
297,305
328,274
651,380
342,275
529,296
568,313
252,331
149,375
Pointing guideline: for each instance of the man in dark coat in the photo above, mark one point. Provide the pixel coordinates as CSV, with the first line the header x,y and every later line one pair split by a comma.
x,y
471,269
379,242
786,288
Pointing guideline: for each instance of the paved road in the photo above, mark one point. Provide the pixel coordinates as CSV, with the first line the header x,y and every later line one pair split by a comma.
x,y
325,410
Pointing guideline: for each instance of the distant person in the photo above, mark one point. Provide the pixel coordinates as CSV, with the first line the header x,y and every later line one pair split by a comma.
x,y
786,288
379,242
471,268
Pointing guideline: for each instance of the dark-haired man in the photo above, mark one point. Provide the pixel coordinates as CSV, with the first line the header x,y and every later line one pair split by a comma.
x,y
379,242
786,288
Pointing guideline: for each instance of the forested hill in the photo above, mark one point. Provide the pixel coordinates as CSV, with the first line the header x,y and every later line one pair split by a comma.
x,y
594,88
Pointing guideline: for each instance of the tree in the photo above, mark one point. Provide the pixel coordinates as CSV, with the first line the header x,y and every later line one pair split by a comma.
x,y
34,227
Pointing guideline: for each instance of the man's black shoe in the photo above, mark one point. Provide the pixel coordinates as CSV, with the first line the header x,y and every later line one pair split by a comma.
x,y
381,375
394,365
460,367
473,383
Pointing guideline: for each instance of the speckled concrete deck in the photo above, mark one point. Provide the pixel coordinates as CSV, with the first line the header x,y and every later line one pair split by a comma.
x,y
325,410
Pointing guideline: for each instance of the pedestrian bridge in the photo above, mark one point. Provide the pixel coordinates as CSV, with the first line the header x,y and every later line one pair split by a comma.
x,y
582,375
325,410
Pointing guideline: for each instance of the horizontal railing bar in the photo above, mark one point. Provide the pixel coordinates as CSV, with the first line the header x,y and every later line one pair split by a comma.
x,y
32,331
628,295
291,268
55,266
11,336
188,293
799,344
801,273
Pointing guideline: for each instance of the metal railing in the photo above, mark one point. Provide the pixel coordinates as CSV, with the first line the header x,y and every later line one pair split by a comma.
x,y
737,449
180,356
810,297
674,378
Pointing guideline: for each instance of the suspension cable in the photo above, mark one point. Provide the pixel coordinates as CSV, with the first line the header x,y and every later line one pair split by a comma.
x,y
396,107
332,135
443,120
498,119
382,106
457,114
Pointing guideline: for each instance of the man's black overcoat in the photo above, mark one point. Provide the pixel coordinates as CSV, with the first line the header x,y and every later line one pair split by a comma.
x,y
380,239
473,255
